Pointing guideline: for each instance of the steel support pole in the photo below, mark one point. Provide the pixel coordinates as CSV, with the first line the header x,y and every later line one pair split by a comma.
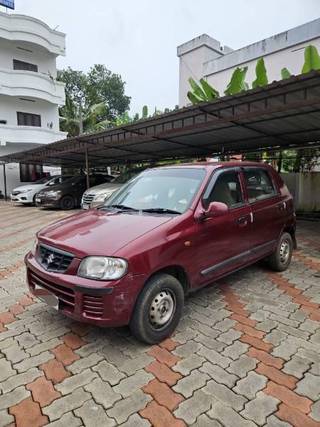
x,y
87,168
5,181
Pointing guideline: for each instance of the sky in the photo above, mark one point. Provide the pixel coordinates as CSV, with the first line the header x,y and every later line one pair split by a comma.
x,y
138,38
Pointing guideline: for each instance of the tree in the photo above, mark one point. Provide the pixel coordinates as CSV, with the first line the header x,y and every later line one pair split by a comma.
x,y
93,100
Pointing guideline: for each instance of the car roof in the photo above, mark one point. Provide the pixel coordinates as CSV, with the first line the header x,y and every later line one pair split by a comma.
x,y
216,165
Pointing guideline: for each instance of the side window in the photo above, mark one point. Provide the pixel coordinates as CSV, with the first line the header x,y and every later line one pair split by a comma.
x,y
259,184
226,190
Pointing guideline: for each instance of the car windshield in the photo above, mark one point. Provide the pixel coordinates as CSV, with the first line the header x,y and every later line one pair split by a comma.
x,y
159,190
124,177
43,180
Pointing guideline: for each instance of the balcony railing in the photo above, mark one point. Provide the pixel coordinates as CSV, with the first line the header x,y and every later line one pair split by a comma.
x,y
29,134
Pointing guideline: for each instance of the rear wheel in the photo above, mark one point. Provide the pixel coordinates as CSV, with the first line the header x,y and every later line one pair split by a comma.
x,y
281,258
67,203
158,309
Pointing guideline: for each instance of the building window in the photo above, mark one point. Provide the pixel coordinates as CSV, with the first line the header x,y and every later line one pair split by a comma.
x,y
20,65
28,119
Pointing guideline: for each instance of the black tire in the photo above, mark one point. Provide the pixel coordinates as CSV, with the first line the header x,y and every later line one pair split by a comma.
x,y
67,203
281,258
168,289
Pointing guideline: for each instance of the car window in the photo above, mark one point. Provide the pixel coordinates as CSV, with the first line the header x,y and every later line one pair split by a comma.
x,y
172,188
226,190
259,184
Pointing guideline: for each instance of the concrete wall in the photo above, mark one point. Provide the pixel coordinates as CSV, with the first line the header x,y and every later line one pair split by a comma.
x,y
305,188
281,50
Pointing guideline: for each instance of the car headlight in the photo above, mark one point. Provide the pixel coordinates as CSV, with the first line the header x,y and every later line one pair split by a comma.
x,y
102,268
101,197
26,191
55,194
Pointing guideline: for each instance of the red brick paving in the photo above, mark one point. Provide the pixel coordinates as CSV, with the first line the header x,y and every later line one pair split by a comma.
x,y
55,371
27,413
42,391
266,358
65,354
73,341
288,397
295,417
163,394
163,356
159,416
277,376
163,373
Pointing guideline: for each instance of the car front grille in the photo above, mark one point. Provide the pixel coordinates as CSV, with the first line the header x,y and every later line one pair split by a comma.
x,y
53,259
92,306
87,198
64,294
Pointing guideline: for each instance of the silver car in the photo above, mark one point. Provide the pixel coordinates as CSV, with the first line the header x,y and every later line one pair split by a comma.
x,y
96,196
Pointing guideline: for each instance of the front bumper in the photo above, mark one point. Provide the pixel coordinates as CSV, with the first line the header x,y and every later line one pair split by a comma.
x,y
105,303
22,198
44,201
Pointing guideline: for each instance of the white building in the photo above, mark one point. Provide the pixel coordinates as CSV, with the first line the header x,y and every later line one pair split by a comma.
x,y
29,92
206,57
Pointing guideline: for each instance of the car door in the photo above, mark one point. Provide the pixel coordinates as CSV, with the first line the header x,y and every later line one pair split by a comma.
x,y
221,243
267,207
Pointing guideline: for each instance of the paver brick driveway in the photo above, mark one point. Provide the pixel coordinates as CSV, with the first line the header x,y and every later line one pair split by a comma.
x,y
246,353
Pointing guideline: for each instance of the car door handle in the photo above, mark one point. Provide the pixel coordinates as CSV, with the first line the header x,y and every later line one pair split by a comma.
x,y
243,221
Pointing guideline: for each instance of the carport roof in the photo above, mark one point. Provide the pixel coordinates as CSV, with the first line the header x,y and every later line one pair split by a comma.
x,y
281,115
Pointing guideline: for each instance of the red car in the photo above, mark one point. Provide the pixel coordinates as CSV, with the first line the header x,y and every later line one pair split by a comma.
x,y
167,232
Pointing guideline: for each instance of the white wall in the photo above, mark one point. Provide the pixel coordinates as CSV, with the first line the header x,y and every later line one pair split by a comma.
x,y
305,189
10,105
10,50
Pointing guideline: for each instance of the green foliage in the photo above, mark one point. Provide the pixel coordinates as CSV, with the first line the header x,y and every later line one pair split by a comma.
x,y
237,83
210,92
84,92
311,59
197,90
145,112
261,74
193,98
285,73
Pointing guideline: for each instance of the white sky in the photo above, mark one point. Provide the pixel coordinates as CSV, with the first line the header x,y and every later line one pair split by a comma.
x,y
138,38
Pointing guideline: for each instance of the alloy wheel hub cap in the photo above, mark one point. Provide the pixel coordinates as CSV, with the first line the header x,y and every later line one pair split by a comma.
x,y
161,309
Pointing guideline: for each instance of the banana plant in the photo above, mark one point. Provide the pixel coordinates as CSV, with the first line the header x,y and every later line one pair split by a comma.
x,y
201,93
261,74
237,83
285,73
311,59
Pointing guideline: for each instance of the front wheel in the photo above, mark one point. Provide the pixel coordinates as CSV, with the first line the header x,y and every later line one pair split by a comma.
x,y
158,309
67,203
281,258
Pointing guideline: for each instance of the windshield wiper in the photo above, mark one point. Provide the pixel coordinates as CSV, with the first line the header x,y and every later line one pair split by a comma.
x,y
161,210
122,207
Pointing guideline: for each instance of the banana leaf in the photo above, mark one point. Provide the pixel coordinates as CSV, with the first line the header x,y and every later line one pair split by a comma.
x,y
237,83
261,74
194,98
285,73
211,92
311,59
197,90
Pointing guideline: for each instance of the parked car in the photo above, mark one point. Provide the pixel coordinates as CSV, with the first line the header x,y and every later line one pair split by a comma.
x,y
95,196
26,193
168,232
67,195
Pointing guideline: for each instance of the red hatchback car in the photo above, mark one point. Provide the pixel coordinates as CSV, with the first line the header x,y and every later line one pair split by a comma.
x,y
165,233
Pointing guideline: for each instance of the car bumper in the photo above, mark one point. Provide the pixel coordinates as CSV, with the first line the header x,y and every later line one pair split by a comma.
x,y
22,198
91,205
108,304
46,202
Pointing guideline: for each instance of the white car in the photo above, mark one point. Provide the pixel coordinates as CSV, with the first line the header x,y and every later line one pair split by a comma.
x,y
26,193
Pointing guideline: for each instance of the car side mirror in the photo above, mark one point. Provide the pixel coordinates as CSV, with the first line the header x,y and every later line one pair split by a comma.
x,y
214,210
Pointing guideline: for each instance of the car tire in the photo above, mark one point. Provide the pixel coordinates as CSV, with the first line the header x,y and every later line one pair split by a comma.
x,y
67,203
281,258
158,309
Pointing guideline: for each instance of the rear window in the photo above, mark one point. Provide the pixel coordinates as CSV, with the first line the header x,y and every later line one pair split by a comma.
x,y
259,184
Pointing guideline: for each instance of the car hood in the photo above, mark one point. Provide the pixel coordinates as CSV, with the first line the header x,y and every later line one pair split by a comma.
x,y
29,187
103,188
97,232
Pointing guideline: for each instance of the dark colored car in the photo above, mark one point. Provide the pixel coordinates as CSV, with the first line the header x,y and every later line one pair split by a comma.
x,y
165,233
68,194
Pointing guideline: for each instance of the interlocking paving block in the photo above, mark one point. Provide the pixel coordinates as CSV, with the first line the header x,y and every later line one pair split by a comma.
x,y
103,393
190,409
227,416
219,374
93,415
122,410
71,383
309,386
225,395
250,385
108,372
65,404
242,366
67,420
260,408
133,383
187,385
